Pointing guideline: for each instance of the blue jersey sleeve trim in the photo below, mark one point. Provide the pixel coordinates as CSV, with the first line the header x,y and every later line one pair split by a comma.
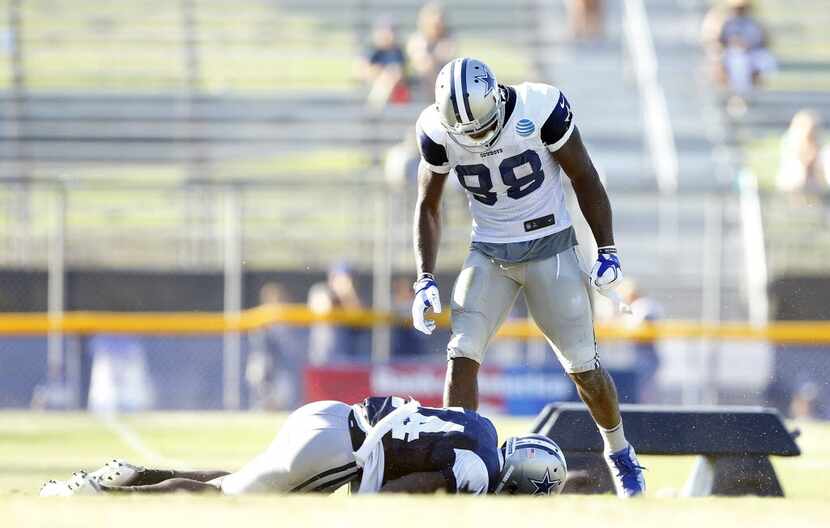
x,y
559,124
432,152
510,101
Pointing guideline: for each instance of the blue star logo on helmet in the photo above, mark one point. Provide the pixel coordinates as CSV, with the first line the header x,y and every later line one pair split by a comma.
x,y
525,127
546,485
487,79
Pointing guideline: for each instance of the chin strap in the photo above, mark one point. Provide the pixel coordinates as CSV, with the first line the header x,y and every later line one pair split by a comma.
x,y
504,479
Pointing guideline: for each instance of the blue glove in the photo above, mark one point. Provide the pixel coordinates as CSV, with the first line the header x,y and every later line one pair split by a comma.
x,y
426,297
606,273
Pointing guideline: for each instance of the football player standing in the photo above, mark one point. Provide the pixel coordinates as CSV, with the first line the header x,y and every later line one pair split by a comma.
x,y
506,145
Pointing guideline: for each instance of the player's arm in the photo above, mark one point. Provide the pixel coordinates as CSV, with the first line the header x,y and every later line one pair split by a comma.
x,y
427,221
427,226
564,141
454,471
422,482
432,174
573,157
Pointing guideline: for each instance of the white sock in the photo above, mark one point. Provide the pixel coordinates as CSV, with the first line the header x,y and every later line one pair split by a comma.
x,y
613,438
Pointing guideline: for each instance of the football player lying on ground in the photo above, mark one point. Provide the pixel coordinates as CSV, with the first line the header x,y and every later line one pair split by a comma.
x,y
380,445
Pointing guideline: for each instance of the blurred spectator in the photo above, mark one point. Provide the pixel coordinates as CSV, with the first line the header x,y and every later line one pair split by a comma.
x,y
330,343
643,311
274,370
737,46
805,162
585,19
53,394
120,379
429,48
806,403
400,166
400,169
401,172
406,341
384,67
341,282
322,337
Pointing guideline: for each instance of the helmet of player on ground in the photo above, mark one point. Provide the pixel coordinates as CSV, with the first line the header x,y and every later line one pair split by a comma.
x,y
470,104
533,465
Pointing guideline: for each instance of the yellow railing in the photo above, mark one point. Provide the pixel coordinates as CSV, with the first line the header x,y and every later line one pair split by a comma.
x,y
183,323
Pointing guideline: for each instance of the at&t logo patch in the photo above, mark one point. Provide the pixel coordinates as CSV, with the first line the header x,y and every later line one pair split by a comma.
x,y
525,127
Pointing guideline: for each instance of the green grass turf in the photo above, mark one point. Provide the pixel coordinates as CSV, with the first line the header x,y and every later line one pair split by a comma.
x,y
35,447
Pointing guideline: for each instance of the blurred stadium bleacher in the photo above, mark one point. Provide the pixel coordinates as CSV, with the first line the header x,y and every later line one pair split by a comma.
x,y
175,137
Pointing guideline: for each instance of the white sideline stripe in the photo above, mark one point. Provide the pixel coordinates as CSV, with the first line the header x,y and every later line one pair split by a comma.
x,y
134,441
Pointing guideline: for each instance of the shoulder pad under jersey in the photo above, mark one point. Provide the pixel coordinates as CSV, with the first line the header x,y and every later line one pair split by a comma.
x,y
432,140
548,107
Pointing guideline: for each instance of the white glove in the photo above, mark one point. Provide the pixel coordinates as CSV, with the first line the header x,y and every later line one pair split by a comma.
x,y
606,273
426,297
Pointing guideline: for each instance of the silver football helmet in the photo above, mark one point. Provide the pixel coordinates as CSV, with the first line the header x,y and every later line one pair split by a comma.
x,y
533,465
470,104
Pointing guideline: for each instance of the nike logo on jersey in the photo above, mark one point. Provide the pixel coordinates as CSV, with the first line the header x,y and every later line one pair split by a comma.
x,y
567,107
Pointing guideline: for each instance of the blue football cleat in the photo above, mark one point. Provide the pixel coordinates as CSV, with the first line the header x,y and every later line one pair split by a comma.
x,y
627,473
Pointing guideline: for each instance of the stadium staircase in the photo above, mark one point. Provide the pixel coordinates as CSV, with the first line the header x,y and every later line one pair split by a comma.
x,y
667,261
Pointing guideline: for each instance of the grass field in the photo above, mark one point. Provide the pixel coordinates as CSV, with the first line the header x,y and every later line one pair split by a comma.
x,y
35,447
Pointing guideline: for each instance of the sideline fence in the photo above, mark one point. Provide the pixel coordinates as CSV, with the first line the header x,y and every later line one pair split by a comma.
x,y
181,323
178,360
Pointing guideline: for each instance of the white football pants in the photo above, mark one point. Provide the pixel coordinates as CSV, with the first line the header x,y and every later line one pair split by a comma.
x,y
311,452
556,295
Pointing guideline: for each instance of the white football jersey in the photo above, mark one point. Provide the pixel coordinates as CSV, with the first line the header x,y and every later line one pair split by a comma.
x,y
515,188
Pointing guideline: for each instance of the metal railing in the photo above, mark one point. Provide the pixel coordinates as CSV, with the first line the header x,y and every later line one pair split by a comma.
x,y
657,126
755,268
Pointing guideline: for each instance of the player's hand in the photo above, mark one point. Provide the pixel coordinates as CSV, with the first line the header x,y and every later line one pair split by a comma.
x,y
426,297
606,273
